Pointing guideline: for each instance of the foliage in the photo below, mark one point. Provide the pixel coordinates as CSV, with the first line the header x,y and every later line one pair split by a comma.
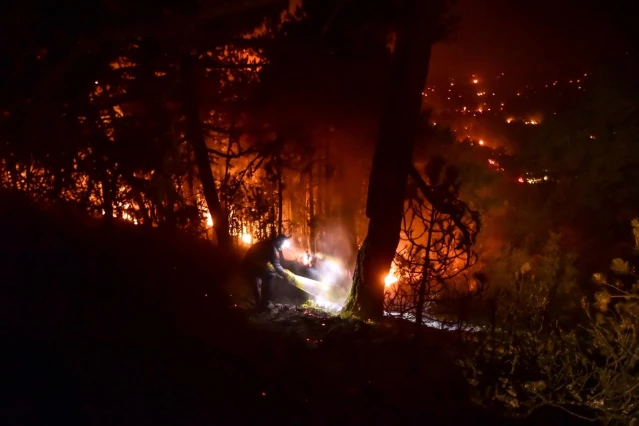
x,y
529,356
102,123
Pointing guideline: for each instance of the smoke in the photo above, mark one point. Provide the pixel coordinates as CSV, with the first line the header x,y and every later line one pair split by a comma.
x,y
328,278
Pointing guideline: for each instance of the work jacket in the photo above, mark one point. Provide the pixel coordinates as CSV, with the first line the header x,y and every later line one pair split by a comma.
x,y
263,258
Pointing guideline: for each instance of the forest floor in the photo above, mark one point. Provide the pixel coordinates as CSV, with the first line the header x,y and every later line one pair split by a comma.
x,y
119,325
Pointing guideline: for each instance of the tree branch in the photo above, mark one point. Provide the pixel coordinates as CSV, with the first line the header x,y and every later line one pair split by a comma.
x,y
455,210
232,155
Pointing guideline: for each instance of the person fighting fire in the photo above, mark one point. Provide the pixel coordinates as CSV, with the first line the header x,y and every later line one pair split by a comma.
x,y
261,264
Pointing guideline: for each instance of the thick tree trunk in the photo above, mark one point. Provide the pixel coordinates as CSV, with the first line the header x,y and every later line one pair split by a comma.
x,y
195,137
392,159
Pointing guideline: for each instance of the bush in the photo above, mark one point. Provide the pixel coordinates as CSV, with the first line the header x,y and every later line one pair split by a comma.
x,y
531,354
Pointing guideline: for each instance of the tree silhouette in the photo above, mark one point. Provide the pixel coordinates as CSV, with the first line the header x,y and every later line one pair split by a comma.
x,y
420,26
434,249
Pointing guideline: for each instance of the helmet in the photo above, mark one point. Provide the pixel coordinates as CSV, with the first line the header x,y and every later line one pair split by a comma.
x,y
281,241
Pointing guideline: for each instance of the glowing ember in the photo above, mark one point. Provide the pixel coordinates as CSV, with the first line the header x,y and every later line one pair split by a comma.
x,y
247,239
481,141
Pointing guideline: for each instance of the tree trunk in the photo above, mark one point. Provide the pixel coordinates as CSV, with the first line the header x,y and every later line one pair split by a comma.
x,y
280,195
392,159
99,142
421,297
195,137
312,217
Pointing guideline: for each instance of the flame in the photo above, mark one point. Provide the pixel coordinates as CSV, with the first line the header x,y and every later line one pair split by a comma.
x,y
392,277
481,141
247,239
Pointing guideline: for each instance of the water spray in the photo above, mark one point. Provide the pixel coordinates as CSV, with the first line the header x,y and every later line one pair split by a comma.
x,y
330,288
326,295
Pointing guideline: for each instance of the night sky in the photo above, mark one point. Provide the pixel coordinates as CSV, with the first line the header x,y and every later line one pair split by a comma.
x,y
526,37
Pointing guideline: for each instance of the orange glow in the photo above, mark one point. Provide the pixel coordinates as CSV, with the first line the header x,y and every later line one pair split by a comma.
x,y
475,81
520,180
509,120
481,141
392,277
533,121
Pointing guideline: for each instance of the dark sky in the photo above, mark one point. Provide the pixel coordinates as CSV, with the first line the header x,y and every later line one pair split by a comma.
x,y
527,37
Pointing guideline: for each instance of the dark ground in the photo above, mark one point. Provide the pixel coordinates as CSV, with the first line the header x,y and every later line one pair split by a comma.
x,y
125,326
